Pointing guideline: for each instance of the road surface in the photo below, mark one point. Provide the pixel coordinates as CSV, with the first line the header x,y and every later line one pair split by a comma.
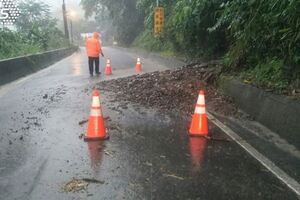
x,y
148,155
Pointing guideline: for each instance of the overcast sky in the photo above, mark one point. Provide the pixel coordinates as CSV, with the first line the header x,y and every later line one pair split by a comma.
x,y
70,4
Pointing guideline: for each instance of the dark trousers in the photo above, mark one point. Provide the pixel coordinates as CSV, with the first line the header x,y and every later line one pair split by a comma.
x,y
93,60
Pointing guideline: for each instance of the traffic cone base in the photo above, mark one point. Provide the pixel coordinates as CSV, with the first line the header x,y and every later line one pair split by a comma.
x,y
96,130
108,70
87,139
199,125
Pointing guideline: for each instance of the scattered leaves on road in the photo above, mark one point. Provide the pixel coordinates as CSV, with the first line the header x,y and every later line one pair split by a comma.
x,y
81,136
76,185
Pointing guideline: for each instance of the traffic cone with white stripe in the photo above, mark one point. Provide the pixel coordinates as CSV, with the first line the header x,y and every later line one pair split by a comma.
x,y
96,126
108,69
138,66
199,125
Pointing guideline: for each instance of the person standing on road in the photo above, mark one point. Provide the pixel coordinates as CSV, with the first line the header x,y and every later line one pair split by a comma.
x,y
94,49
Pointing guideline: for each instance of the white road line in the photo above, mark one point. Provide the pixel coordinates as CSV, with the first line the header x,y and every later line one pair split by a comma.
x,y
279,173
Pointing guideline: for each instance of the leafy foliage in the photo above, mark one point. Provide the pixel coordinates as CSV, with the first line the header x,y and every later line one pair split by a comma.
x,y
190,25
35,31
262,30
39,27
13,44
187,26
269,74
148,42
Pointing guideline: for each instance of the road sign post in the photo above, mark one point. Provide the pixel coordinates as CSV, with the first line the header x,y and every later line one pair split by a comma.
x,y
159,18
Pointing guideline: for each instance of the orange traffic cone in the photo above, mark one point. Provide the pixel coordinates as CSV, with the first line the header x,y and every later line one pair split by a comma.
x,y
199,125
96,127
108,69
138,66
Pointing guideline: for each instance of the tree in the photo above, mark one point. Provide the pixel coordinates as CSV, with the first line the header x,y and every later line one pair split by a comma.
x,y
39,27
126,19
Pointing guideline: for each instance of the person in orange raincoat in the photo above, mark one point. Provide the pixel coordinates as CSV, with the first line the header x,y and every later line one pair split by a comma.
x,y
94,49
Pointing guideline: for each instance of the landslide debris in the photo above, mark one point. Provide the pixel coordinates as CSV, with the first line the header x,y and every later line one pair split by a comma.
x,y
172,89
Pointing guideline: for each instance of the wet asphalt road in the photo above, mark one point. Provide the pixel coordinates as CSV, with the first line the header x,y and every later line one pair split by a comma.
x,y
148,156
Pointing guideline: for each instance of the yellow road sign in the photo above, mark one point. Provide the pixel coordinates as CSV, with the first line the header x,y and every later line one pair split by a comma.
x,y
159,18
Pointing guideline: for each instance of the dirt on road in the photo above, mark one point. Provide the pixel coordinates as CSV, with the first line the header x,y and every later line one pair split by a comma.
x,y
172,90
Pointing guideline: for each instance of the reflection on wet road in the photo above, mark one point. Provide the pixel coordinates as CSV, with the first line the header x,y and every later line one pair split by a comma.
x,y
197,148
96,150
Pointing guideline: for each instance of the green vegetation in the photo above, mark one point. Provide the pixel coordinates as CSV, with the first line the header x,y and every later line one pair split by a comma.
x,y
186,28
35,31
270,74
146,41
264,40
126,19
14,44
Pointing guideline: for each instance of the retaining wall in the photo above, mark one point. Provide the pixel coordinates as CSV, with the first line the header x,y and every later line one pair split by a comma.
x,y
14,68
279,113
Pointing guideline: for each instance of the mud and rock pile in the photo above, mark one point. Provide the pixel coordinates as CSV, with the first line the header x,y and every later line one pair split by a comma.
x,y
172,89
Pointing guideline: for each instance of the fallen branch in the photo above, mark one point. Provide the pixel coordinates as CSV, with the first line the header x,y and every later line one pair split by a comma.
x,y
83,122
173,176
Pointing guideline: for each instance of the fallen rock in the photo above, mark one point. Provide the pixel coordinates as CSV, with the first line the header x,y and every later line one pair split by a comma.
x,y
172,89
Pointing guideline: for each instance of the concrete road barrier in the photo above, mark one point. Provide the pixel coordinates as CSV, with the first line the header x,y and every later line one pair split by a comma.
x,y
14,68
279,113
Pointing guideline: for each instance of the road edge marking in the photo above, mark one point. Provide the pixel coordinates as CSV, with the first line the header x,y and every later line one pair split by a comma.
x,y
279,173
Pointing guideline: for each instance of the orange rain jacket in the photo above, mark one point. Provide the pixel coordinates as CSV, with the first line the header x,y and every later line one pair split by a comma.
x,y
93,46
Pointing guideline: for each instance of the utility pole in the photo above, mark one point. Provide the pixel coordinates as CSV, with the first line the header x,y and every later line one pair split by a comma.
x,y
65,21
71,27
